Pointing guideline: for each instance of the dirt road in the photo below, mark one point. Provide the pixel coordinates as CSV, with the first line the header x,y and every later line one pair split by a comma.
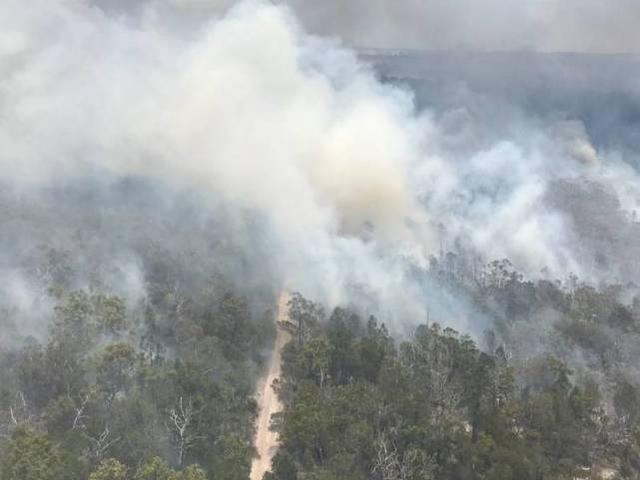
x,y
266,441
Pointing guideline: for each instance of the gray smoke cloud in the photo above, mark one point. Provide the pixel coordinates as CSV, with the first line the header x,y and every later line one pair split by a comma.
x,y
353,182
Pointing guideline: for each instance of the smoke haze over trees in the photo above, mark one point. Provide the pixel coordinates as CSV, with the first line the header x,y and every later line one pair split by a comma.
x,y
169,167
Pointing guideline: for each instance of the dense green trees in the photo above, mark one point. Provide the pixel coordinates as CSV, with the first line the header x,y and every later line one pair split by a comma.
x,y
32,456
160,389
154,469
436,406
110,469
163,390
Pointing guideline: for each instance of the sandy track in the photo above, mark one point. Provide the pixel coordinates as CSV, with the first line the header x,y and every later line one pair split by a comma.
x,y
266,441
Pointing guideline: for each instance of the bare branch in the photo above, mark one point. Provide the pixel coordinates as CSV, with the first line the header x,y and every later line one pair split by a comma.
x,y
79,416
101,443
181,422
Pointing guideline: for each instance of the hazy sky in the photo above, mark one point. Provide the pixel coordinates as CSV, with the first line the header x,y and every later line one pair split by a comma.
x,y
604,26
555,25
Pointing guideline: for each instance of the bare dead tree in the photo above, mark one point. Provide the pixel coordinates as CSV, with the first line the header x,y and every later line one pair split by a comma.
x,y
446,397
101,443
389,464
179,299
17,414
393,465
181,424
386,461
80,410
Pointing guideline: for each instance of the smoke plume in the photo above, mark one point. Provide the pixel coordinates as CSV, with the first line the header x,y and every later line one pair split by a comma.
x,y
352,183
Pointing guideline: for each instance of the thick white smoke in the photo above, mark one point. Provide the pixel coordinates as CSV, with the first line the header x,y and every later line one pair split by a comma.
x,y
354,183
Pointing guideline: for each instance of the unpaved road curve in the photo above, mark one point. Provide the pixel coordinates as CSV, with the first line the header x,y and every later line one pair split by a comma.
x,y
266,441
